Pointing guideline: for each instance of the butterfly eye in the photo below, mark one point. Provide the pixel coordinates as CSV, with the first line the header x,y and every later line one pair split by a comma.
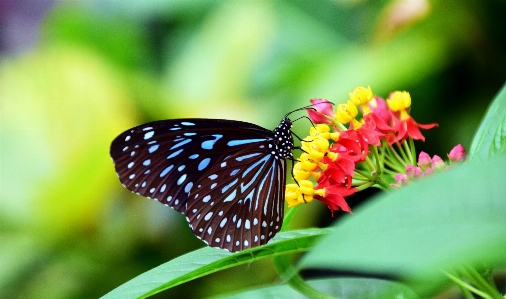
x,y
226,176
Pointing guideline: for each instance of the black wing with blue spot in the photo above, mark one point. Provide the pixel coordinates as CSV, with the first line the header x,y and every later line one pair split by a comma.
x,y
226,176
163,159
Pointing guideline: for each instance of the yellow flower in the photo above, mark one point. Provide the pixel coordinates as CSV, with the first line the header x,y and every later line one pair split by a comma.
x,y
299,194
299,173
292,194
346,112
306,162
361,95
400,101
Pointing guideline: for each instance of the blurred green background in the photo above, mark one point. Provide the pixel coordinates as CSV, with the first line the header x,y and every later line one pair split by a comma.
x,y
74,74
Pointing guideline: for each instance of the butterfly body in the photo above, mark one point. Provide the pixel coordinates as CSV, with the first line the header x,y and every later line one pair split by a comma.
x,y
226,176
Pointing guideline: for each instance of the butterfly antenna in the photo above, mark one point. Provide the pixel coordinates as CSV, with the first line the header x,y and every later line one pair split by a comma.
x,y
307,107
307,119
299,109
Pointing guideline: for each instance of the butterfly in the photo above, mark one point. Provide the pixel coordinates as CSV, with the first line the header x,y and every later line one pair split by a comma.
x,y
228,177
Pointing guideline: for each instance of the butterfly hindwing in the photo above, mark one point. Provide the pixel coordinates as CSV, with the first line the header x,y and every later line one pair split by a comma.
x,y
238,204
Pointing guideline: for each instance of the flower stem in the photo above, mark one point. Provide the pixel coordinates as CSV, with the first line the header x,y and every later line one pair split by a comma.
x,y
384,184
413,151
465,285
379,169
399,160
397,168
480,282
365,175
405,158
369,163
288,218
364,186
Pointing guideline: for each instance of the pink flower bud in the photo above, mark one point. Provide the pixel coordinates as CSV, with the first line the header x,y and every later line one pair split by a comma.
x,y
413,171
321,111
438,163
401,178
424,161
457,154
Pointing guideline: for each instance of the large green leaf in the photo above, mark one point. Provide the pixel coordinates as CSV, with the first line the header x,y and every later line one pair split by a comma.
x,y
344,288
415,232
490,139
208,260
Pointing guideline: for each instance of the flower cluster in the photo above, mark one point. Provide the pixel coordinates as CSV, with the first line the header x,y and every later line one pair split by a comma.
x,y
367,141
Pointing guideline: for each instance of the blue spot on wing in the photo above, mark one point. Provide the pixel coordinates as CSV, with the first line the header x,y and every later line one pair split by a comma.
x,y
181,143
208,144
204,163
244,141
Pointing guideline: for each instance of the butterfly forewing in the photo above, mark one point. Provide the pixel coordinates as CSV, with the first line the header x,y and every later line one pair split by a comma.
x,y
197,164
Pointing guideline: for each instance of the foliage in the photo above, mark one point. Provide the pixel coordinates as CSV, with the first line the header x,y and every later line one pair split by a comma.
x,y
69,230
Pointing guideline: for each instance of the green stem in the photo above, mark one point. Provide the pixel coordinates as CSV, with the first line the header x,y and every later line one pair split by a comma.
x,y
405,158
394,166
365,175
288,218
462,284
413,151
408,153
467,294
289,274
389,172
399,160
369,163
384,184
359,177
379,169
480,282
487,275
364,186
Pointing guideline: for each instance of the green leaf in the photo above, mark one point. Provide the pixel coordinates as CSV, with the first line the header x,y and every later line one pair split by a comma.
x,y
427,226
343,288
490,139
208,260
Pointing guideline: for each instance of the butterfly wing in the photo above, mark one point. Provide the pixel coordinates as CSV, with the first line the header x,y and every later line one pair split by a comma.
x,y
227,176
239,203
163,159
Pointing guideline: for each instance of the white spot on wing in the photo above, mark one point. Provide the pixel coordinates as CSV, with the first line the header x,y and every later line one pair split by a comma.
x,y
208,216
223,222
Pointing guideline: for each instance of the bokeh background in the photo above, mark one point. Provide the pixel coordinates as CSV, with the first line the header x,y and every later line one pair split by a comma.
x,y
74,74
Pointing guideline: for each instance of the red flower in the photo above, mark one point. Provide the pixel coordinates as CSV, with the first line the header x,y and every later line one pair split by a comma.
x,y
404,125
380,109
368,132
409,128
333,197
340,169
352,144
